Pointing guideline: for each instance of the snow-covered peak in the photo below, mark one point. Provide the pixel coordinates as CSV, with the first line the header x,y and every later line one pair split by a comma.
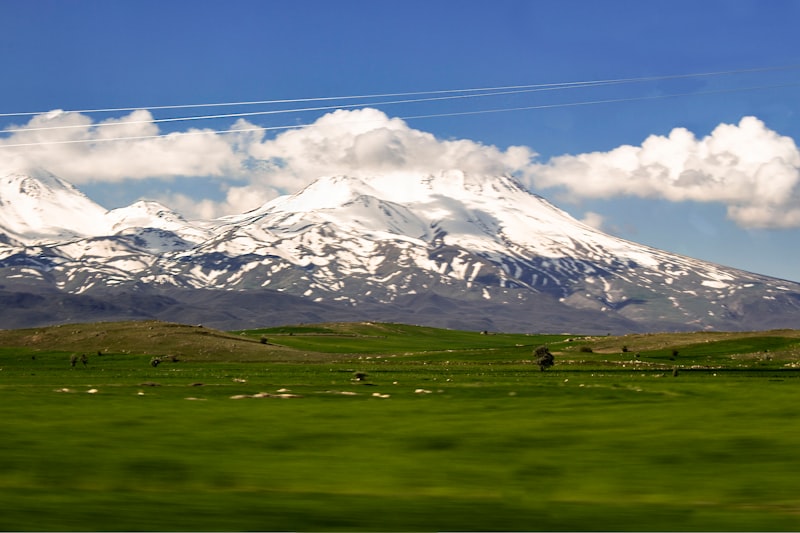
x,y
330,192
400,187
37,205
147,214
35,182
475,211
144,214
454,184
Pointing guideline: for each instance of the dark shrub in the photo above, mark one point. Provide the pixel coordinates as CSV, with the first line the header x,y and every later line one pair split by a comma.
x,y
543,358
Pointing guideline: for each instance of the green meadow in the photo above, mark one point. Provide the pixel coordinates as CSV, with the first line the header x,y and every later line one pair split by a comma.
x,y
388,427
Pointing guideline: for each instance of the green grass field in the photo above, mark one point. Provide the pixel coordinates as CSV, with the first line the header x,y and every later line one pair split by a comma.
x,y
447,430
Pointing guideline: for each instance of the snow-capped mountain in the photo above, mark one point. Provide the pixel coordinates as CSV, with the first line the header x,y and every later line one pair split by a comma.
x,y
156,227
450,249
37,206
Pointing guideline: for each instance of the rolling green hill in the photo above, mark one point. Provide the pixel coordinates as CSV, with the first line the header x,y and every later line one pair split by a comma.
x,y
314,341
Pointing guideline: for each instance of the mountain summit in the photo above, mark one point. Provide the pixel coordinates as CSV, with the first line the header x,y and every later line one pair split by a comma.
x,y
37,205
451,249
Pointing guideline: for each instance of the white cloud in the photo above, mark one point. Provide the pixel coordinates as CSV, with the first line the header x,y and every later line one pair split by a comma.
x,y
595,220
103,160
751,169
359,142
748,167
190,208
367,142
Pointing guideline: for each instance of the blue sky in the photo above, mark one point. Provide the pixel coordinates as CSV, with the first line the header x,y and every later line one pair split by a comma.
x,y
140,53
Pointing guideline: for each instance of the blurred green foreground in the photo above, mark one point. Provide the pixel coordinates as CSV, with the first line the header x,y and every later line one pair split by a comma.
x,y
485,443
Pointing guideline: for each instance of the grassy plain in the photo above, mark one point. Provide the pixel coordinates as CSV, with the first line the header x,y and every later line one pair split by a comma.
x,y
447,430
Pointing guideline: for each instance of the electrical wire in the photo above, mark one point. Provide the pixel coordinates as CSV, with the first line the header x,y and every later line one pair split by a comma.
x,y
459,94
412,117
596,102
423,93
299,110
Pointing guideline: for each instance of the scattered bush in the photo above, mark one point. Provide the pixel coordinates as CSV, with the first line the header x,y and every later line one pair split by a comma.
x,y
543,358
586,349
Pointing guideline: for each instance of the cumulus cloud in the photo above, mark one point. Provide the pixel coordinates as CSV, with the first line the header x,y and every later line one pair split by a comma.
x,y
76,148
356,143
363,143
751,169
366,142
235,200
595,220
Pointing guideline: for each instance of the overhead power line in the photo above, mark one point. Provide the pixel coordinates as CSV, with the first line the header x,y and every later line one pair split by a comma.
x,y
411,117
423,93
596,102
440,95
302,109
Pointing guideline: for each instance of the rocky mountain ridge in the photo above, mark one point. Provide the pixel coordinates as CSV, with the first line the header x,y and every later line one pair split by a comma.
x,y
450,249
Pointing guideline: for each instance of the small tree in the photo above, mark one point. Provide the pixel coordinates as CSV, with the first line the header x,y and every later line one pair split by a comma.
x,y
543,358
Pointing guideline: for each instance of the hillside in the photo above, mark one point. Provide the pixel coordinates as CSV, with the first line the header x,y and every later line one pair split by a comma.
x,y
450,249
147,338
389,341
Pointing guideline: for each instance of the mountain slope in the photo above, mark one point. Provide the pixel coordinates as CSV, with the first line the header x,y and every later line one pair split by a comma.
x,y
37,206
451,249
